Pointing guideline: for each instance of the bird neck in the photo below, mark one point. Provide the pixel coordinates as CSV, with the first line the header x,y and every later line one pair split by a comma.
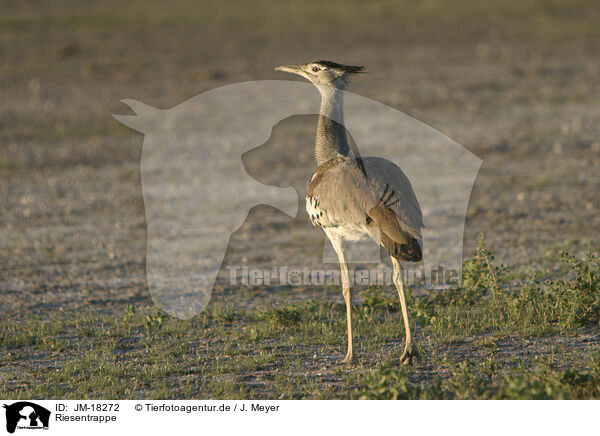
x,y
331,133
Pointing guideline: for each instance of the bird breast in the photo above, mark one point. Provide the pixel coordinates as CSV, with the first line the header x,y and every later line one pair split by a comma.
x,y
349,231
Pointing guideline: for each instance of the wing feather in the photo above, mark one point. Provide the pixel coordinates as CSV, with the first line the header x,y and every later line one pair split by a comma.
x,y
345,196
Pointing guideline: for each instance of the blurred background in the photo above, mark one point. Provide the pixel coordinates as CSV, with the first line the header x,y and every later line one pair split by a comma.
x,y
515,82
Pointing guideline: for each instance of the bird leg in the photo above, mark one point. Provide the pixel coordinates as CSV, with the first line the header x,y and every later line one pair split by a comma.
x,y
410,352
347,292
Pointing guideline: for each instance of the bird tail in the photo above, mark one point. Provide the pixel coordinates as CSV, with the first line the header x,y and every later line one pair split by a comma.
x,y
404,252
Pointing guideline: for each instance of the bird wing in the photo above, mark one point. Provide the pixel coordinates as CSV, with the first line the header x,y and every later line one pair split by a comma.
x,y
396,198
340,194
332,198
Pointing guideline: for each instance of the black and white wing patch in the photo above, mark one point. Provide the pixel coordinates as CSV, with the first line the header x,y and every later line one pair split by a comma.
x,y
314,211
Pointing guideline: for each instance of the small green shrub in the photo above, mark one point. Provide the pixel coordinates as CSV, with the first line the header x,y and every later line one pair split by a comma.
x,y
222,313
154,321
286,315
577,301
480,274
376,299
484,380
387,383
531,307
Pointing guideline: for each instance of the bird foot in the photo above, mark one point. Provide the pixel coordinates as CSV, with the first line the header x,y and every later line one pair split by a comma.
x,y
409,355
347,360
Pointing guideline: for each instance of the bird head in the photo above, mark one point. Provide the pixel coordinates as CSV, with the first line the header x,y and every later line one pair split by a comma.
x,y
326,73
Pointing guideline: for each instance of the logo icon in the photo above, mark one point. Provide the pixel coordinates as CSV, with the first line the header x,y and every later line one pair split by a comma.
x,y
26,415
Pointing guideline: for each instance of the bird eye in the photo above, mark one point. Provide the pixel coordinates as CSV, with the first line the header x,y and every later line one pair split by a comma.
x,y
315,69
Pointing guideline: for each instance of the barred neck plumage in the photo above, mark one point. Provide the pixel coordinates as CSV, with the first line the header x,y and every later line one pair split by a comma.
x,y
331,133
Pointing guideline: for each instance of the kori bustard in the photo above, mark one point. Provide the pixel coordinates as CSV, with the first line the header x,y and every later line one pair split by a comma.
x,y
352,198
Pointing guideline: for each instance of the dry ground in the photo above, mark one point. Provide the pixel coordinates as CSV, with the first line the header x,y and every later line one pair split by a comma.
x,y
517,83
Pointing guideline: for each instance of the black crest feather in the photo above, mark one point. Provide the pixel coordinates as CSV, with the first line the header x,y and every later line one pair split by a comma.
x,y
349,69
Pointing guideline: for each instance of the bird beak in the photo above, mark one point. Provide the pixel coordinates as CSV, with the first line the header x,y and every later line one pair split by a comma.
x,y
295,69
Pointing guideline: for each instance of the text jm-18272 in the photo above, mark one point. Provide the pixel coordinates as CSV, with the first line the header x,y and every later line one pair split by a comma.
x,y
96,407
